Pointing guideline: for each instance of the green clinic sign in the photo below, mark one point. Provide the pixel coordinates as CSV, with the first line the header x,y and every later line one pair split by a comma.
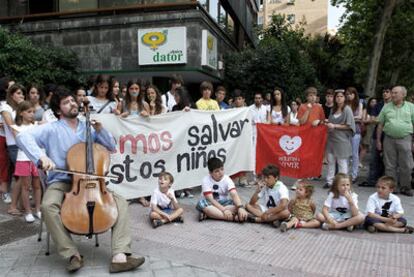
x,y
162,46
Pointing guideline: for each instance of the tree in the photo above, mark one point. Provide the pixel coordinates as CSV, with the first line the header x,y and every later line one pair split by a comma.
x,y
280,59
27,63
378,41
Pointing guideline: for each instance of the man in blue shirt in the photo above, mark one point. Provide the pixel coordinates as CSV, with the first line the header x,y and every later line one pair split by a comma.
x,y
56,139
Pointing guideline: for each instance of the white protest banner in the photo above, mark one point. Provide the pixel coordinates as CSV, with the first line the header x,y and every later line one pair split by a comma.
x,y
178,142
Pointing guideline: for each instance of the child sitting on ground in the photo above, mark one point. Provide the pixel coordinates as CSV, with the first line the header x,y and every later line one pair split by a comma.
x,y
164,205
340,209
302,209
384,210
219,198
270,201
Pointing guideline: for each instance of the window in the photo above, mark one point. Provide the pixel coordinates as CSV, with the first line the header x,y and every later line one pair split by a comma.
x,y
222,17
41,6
213,9
204,4
73,5
291,18
230,26
260,20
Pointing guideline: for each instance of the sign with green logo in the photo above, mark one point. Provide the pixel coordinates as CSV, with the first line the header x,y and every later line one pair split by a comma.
x,y
162,46
209,50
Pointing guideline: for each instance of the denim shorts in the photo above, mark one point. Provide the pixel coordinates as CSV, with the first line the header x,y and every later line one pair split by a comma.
x,y
371,221
340,217
204,203
166,210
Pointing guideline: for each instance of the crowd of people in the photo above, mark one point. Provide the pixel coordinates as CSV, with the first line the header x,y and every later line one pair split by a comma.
x,y
381,127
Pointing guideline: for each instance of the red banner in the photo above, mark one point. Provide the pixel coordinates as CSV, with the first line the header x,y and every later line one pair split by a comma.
x,y
297,151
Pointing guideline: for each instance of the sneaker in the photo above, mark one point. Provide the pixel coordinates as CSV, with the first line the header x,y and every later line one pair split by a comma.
x,y
29,218
409,229
6,198
38,215
325,226
372,229
350,228
156,223
202,216
326,186
283,227
182,194
179,219
251,218
276,223
74,264
407,192
190,195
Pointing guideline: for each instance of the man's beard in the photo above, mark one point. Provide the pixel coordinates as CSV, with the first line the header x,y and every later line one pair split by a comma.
x,y
72,114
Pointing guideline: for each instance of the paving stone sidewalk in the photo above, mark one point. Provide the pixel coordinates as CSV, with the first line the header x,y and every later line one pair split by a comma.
x,y
213,248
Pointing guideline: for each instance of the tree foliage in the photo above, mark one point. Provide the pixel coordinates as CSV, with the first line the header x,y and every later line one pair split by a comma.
x,y
27,63
280,59
360,24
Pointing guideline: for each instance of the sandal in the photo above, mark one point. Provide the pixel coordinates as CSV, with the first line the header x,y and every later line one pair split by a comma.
x,y
14,212
202,216
409,230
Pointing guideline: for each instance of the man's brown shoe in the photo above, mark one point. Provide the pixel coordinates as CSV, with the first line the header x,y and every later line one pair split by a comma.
x,y
74,264
131,264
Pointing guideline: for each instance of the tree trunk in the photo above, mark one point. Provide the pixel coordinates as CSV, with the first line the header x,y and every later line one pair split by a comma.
x,y
371,81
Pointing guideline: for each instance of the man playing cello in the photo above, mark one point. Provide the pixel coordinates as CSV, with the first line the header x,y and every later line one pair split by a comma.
x,y
56,139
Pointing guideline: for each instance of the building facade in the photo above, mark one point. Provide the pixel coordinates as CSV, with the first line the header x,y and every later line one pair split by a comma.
x,y
150,39
312,12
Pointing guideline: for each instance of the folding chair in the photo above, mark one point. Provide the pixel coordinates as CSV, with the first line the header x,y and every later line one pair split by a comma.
x,y
43,178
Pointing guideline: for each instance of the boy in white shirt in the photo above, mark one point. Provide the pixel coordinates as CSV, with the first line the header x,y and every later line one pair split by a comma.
x,y
164,205
219,198
270,201
384,209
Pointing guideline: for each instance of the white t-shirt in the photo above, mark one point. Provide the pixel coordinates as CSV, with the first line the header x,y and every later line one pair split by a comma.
x,y
171,101
277,117
384,207
258,114
21,156
4,107
270,197
161,199
340,204
219,189
294,119
97,104
2,132
48,116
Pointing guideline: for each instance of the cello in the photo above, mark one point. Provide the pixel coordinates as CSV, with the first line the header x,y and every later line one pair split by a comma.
x,y
89,208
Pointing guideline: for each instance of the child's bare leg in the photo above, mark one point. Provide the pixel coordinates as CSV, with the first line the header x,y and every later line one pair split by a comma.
x,y
16,189
320,217
279,216
155,215
37,192
25,185
358,219
254,209
214,213
314,223
396,228
291,223
177,213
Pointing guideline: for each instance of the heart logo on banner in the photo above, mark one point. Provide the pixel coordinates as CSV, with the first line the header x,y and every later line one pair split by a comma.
x,y
289,144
